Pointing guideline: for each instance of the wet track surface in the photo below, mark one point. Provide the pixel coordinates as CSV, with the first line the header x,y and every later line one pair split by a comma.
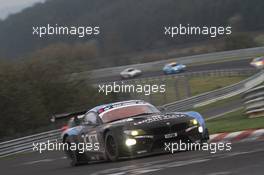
x,y
244,158
205,67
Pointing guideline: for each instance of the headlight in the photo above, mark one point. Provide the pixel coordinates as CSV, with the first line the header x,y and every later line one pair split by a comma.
x,y
200,129
131,142
134,132
258,63
194,122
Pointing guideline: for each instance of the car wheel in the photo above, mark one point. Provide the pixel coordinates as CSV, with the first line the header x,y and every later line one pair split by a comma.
x,y
111,147
76,158
205,136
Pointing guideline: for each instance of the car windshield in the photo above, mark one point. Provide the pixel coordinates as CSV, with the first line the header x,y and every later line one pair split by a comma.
x,y
258,59
173,64
130,70
127,111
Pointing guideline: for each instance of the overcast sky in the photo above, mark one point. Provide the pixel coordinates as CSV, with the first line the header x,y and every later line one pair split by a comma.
x,y
13,6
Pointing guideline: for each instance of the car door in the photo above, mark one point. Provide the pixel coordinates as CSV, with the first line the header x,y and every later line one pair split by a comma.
x,y
90,133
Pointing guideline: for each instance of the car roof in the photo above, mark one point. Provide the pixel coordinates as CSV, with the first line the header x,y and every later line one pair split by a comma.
x,y
100,108
172,63
130,68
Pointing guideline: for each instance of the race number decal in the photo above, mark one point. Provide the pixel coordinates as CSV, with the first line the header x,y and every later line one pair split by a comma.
x,y
90,138
93,138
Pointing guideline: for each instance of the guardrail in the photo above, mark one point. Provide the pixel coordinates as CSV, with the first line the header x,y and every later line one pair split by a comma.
x,y
254,102
25,144
219,94
216,72
178,86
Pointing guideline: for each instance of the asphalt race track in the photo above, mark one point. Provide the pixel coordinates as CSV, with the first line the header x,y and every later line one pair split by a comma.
x,y
244,159
245,63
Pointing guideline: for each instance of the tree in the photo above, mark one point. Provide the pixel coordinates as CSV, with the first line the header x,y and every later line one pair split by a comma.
x,y
32,91
239,41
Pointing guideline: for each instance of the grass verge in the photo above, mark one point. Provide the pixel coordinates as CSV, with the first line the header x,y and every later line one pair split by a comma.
x,y
234,121
204,84
223,102
177,90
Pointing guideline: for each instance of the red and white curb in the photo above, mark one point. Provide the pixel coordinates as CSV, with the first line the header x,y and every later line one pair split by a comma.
x,y
240,136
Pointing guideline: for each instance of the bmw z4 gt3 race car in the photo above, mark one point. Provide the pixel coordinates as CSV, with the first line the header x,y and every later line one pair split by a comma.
x,y
130,129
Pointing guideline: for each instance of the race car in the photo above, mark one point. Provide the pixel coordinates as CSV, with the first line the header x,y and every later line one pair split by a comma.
x,y
173,68
130,129
130,73
258,62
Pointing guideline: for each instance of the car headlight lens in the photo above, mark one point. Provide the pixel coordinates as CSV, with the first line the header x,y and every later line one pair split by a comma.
x,y
131,142
194,122
258,63
200,129
134,132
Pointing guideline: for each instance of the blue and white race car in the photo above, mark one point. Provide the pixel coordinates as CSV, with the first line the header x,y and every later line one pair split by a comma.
x,y
129,129
173,68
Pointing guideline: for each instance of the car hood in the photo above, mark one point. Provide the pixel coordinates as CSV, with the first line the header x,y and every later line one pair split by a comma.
x,y
152,121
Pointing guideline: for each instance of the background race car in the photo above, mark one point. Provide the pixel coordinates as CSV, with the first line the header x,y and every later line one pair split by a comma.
x,y
129,129
173,68
130,73
258,62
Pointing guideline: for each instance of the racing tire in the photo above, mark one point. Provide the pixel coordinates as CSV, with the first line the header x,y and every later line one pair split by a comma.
x,y
205,136
76,158
111,147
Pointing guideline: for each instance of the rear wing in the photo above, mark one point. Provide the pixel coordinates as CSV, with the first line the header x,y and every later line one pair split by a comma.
x,y
55,117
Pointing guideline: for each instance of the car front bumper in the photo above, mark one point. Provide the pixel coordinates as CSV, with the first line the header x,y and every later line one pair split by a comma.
x,y
147,144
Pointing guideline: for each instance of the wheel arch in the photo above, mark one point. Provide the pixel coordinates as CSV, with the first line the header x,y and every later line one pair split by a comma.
x,y
64,138
105,132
